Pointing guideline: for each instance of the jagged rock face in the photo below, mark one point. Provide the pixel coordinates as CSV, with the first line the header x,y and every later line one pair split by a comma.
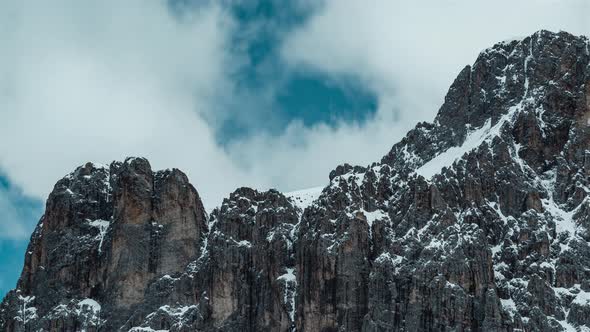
x,y
158,225
242,280
255,244
478,221
475,222
106,233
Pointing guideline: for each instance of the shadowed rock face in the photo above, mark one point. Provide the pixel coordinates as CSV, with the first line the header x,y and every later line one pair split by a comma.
x,y
475,222
106,233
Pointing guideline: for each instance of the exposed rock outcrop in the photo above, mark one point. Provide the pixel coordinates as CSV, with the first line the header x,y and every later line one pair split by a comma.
x,y
106,233
478,221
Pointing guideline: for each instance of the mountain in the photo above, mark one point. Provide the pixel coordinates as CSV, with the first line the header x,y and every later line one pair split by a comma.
x,y
478,221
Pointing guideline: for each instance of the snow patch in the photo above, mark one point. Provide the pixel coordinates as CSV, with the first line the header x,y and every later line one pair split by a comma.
x,y
290,291
26,312
90,304
145,329
509,306
369,217
447,158
177,312
103,226
244,243
375,215
386,257
582,299
289,276
88,313
303,198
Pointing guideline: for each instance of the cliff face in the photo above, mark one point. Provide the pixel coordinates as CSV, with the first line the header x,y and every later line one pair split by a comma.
x,y
478,221
106,233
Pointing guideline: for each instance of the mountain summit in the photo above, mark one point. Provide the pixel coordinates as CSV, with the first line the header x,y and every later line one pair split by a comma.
x,y
479,221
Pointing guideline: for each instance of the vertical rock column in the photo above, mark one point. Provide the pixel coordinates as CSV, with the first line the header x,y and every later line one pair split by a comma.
x,y
158,223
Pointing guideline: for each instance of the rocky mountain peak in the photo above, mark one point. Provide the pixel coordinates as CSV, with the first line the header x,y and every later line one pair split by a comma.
x,y
477,221
537,84
106,232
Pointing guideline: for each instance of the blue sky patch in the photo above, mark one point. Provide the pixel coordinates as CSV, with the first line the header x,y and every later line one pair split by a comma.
x,y
274,94
18,216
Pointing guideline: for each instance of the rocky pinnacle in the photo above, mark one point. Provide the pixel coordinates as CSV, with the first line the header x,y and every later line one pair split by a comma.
x,y
478,221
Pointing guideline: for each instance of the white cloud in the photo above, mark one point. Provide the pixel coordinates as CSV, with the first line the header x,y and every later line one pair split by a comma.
x,y
302,157
412,50
102,80
99,81
409,53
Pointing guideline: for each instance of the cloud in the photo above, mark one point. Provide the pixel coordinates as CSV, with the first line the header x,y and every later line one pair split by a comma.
x,y
409,53
103,80
302,156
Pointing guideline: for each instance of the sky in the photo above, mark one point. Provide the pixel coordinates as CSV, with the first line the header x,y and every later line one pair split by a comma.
x,y
266,94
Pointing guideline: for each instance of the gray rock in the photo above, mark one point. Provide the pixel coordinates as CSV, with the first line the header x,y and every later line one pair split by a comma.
x,y
475,222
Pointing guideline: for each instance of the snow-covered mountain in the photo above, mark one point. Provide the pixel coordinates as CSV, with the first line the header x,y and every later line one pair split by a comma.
x,y
478,221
